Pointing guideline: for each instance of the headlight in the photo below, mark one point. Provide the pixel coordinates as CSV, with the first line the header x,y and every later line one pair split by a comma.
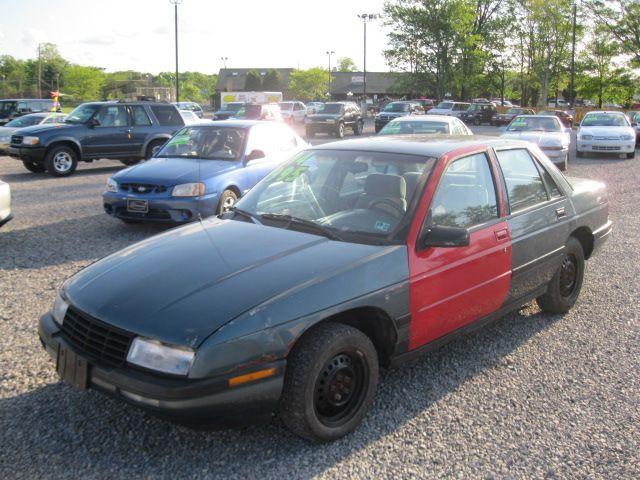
x,y
5,139
112,185
60,306
30,140
154,355
586,137
626,137
188,190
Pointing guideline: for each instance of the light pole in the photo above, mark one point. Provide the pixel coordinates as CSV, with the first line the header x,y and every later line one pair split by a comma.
x,y
329,53
224,61
366,18
175,4
39,70
573,60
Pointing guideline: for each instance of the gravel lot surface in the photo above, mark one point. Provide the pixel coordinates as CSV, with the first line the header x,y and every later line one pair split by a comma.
x,y
532,396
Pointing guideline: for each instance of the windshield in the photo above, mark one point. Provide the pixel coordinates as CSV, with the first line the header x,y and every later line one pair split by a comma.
x,y
348,192
231,107
286,105
331,108
81,114
206,142
397,107
7,107
604,120
396,127
537,124
445,105
25,121
249,112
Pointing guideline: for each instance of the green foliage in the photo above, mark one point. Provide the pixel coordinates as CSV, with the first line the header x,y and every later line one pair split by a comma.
x,y
346,64
253,82
84,83
272,81
309,84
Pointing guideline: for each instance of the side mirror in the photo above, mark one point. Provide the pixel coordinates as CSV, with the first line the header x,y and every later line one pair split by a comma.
x,y
441,236
94,122
255,155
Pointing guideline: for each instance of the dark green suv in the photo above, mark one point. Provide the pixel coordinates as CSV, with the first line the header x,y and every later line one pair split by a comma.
x,y
334,118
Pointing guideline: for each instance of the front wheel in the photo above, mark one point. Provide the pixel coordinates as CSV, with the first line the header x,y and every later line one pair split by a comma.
x,y
340,130
227,200
153,148
564,287
35,167
61,161
330,382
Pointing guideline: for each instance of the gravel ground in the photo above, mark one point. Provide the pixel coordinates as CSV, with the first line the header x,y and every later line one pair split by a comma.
x,y
532,396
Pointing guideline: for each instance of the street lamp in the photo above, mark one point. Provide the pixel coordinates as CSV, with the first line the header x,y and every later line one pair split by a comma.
x,y
329,53
175,4
224,61
366,18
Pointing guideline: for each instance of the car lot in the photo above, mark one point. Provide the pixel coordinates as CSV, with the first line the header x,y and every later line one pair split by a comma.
x,y
531,396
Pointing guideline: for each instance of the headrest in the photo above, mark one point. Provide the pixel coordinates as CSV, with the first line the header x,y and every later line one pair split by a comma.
x,y
383,185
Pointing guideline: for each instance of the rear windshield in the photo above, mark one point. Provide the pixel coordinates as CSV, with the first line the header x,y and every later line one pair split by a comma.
x,y
167,115
332,108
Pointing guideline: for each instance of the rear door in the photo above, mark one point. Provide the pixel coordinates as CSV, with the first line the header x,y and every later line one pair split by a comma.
x,y
111,138
141,128
452,287
538,220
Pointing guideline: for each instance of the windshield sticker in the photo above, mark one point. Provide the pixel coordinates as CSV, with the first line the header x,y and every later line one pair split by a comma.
x,y
182,139
382,226
293,171
519,122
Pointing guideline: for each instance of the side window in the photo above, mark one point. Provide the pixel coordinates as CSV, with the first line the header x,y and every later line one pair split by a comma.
x,y
139,116
522,178
466,195
167,115
113,116
549,182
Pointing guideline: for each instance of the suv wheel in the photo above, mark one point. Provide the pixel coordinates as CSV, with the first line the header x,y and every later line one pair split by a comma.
x,y
227,200
330,382
476,121
61,161
631,155
35,167
153,148
340,130
358,127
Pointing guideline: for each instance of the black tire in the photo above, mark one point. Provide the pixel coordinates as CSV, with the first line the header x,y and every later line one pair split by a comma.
x,y
61,161
563,165
310,133
631,155
358,128
340,130
476,121
331,357
130,161
564,288
153,147
35,167
227,200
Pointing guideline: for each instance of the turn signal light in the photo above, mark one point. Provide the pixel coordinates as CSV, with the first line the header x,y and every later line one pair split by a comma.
x,y
250,377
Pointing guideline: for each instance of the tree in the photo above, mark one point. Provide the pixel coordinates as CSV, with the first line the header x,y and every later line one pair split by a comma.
x,y
253,82
309,84
84,83
622,19
346,64
272,81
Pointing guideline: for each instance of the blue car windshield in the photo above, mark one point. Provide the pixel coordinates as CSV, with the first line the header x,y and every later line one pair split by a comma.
x,y
206,142
355,193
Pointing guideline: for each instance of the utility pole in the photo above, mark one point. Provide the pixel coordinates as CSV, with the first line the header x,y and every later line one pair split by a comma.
x,y
329,53
573,61
224,61
39,71
365,17
175,7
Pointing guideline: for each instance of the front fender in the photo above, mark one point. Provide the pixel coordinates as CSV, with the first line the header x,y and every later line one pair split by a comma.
x,y
153,138
54,140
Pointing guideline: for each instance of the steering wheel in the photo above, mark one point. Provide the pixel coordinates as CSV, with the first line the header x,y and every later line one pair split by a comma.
x,y
388,202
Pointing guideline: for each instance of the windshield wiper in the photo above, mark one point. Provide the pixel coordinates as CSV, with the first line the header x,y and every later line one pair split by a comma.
x,y
249,215
322,230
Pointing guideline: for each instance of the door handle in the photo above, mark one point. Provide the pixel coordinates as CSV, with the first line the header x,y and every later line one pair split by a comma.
x,y
501,234
561,212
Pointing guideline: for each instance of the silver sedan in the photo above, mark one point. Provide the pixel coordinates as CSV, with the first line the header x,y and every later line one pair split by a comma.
x,y
5,203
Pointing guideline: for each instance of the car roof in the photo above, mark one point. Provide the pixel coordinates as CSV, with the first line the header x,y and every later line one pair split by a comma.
x,y
45,114
424,145
132,102
26,99
603,111
239,123
425,118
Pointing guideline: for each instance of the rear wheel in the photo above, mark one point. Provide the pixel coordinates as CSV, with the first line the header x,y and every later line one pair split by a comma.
x,y
153,148
631,155
61,161
330,382
340,130
35,167
564,287
227,200
358,127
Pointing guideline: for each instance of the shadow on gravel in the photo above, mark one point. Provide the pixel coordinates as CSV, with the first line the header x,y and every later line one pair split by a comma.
x,y
30,177
83,238
54,429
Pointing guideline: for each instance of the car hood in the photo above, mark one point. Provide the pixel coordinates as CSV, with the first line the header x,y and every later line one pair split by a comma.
x,y
606,131
174,171
7,131
183,285
39,129
539,138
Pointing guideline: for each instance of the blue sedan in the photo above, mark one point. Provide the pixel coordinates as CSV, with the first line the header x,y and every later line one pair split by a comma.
x,y
201,171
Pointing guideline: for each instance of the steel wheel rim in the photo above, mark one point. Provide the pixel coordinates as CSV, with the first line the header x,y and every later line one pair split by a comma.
x,y
340,388
228,203
62,162
568,275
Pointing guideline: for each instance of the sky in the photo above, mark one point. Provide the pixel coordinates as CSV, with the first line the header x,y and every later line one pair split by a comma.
x,y
138,34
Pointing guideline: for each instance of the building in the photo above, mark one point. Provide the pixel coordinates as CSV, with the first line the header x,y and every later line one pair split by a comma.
x,y
234,79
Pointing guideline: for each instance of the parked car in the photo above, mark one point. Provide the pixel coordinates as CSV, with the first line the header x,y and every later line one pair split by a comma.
x,y
14,108
190,106
606,132
478,113
547,132
314,107
423,124
228,110
293,112
449,108
334,118
395,110
27,121
502,103
635,123
559,103
190,118
259,111
565,117
125,131
349,256
5,203
426,103
201,171
505,118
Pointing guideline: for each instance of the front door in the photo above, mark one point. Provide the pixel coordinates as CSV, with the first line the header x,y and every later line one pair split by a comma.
x,y
451,287
112,136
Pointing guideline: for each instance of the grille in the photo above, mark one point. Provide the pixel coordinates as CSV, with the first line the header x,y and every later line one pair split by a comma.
x,y
606,138
99,341
604,148
16,139
142,188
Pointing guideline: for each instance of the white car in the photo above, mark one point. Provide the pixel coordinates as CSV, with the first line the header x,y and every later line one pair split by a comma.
x,y
314,107
449,108
41,118
293,112
546,131
190,117
5,203
425,124
606,132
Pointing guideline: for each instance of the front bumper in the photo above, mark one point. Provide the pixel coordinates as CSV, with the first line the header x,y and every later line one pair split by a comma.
x,y
321,127
161,208
200,402
34,154
558,157
606,146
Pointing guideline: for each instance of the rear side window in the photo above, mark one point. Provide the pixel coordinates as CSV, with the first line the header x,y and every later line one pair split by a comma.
x,y
522,178
466,195
139,116
167,115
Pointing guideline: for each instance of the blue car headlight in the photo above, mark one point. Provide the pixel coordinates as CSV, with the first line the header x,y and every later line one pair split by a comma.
x,y
189,190
112,185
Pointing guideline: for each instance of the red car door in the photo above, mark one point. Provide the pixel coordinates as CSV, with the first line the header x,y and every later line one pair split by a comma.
x,y
451,287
